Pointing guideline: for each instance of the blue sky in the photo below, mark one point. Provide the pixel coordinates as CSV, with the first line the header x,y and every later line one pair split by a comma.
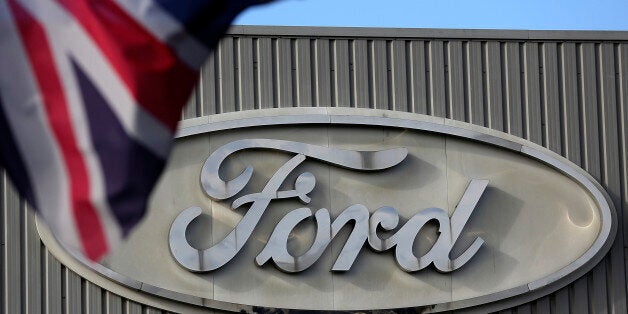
x,y
491,14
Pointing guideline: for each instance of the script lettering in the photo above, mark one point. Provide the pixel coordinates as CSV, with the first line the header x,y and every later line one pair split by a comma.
x,y
364,228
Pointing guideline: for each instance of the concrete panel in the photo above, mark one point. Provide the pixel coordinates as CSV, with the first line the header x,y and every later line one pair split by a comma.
x,y
240,280
545,194
417,183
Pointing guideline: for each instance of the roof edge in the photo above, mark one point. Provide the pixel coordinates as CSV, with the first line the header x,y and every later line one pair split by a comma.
x,y
428,33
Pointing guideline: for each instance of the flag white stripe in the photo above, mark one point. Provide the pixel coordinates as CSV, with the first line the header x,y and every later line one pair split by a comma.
x,y
23,106
167,29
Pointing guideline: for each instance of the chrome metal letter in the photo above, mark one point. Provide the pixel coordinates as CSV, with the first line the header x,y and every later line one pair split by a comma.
x,y
467,204
216,188
219,254
364,228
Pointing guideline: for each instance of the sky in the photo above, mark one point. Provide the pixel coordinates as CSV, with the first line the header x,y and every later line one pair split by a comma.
x,y
479,14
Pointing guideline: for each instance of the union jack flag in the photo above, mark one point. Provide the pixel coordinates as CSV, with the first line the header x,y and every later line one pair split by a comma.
x,y
90,96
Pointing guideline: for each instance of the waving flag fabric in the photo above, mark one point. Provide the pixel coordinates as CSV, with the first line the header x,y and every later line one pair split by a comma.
x,y
90,96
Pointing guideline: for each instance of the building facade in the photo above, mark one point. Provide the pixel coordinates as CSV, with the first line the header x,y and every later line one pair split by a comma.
x,y
562,90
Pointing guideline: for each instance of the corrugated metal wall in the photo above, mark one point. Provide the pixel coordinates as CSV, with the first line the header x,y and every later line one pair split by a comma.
x,y
33,281
569,95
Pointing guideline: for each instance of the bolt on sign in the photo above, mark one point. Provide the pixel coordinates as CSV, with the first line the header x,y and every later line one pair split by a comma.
x,y
329,210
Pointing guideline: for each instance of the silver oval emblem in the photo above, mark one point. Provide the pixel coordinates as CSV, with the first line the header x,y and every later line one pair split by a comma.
x,y
329,209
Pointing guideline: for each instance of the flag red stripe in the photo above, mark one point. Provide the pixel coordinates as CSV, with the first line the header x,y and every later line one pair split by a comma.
x,y
157,79
37,47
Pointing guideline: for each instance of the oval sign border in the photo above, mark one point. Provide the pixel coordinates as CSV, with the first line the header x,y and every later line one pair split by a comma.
x,y
373,117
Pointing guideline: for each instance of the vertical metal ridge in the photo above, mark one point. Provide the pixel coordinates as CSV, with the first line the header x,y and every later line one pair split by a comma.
x,y
524,309
21,223
622,90
456,85
293,73
226,78
429,107
53,287
465,81
485,87
419,92
533,94
579,295
598,288
438,106
245,74
332,73
369,73
569,107
199,95
256,73
503,72
11,244
112,302
410,99
189,110
379,74
542,95
562,300
64,290
132,307
513,92
235,67
74,297
303,78
447,77
355,82
323,73
581,105
207,86
314,73
550,98
352,74
33,265
219,76
597,278
265,78
621,82
475,79
398,76
542,305
3,227
610,164
522,88
283,72
385,83
494,104
342,86
588,90
274,80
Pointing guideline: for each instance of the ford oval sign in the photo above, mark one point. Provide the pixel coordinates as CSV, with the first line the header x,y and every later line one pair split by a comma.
x,y
332,209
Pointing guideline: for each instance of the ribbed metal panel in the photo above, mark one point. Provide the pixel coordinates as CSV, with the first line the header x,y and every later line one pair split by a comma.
x,y
33,281
567,91
567,95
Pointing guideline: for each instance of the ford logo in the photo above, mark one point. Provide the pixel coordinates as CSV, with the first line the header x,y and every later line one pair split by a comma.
x,y
350,209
